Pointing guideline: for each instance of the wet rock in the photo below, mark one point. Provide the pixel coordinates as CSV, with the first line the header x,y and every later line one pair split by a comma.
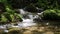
x,y
39,10
15,24
37,18
26,16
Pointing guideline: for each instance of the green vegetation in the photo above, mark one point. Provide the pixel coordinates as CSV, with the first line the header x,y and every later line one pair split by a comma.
x,y
9,15
44,4
51,9
51,14
48,4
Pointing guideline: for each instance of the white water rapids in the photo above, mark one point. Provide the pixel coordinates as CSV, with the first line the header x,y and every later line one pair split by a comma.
x,y
25,23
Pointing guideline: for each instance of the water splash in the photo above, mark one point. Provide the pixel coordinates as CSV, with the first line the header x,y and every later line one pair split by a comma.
x,y
27,23
6,31
22,11
2,27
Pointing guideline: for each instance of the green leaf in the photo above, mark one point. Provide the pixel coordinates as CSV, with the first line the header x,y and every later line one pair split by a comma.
x,y
18,16
12,17
3,18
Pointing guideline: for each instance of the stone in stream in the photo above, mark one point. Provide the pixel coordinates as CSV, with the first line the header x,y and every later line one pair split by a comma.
x,y
37,18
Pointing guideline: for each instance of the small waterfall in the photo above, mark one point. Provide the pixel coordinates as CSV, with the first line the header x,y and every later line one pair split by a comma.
x,y
31,16
21,11
27,23
27,19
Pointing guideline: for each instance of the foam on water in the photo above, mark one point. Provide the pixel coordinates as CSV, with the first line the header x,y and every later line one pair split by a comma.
x,y
27,23
21,11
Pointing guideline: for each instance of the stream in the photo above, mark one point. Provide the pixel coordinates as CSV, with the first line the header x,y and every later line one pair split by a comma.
x,y
29,19
31,24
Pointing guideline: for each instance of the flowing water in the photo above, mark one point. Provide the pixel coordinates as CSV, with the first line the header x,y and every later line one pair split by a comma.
x,y
29,20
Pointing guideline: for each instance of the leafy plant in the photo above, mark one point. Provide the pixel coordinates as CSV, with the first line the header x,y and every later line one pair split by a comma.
x,y
3,19
9,15
18,16
51,14
12,17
